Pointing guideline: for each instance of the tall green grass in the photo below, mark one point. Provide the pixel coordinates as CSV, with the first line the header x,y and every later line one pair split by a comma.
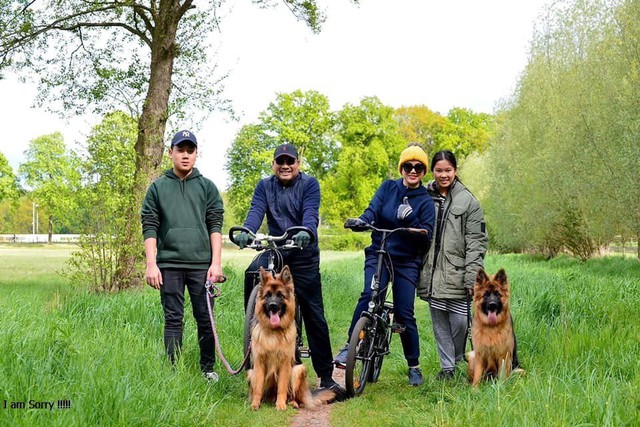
x,y
577,326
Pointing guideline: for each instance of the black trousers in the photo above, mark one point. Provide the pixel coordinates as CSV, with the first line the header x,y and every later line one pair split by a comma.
x,y
172,298
305,269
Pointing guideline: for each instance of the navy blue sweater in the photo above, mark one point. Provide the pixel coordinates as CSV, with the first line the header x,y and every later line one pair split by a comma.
x,y
382,212
296,204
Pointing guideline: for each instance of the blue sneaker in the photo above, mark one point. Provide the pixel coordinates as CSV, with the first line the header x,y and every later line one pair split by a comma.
x,y
341,359
415,377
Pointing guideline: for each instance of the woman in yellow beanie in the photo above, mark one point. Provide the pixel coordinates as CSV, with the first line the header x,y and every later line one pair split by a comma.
x,y
398,203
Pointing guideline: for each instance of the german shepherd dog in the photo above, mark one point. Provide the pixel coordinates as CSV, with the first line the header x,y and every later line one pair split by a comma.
x,y
492,330
275,373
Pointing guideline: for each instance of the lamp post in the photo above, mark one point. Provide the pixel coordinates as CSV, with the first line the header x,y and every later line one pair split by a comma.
x,y
34,218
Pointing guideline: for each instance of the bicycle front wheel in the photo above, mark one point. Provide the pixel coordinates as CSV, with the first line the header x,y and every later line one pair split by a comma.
x,y
248,324
376,365
359,357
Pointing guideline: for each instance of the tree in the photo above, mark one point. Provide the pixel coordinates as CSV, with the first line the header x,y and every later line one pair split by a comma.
x,y
76,49
371,144
419,124
248,160
563,167
17,217
304,119
53,175
8,183
108,173
465,132
301,118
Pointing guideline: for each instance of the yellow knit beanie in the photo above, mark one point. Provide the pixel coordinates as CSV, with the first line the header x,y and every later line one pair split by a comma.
x,y
413,152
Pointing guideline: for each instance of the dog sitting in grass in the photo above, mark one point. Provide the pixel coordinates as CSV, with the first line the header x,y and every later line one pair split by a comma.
x,y
491,331
275,374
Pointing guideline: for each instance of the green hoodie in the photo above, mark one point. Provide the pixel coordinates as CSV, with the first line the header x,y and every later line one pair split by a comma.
x,y
182,215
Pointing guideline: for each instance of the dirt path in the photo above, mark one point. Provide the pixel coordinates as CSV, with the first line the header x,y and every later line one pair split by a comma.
x,y
318,417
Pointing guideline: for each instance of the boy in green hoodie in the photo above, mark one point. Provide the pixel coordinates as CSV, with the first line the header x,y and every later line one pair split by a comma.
x,y
181,223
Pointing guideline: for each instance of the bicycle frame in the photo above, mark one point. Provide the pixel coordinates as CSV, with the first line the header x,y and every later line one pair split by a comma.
x,y
371,337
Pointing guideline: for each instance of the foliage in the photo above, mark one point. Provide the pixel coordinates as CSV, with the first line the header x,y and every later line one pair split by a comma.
x,y
75,50
304,120
569,139
465,132
370,143
16,217
248,160
8,182
53,175
580,355
300,118
108,172
336,239
419,124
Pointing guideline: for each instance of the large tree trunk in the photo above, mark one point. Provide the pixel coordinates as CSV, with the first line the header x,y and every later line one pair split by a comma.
x,y
150,145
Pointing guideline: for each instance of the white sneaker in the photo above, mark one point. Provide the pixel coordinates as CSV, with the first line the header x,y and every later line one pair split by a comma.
x,y
211,376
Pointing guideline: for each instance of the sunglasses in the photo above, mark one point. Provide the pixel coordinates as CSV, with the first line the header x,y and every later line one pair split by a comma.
x,y
285,160
418,167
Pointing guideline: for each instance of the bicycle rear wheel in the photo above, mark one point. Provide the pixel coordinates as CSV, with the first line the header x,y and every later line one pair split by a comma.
x,y
248,324
359,356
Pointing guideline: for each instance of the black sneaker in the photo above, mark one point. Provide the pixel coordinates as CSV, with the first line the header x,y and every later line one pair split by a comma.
x,y
330,384
444,375
415,377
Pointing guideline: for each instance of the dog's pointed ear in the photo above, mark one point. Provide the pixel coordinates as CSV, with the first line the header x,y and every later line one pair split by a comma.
x,y
264,275
501,278
285,276
481,277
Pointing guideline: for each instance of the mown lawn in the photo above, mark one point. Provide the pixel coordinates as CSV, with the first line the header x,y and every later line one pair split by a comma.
x,y
577,326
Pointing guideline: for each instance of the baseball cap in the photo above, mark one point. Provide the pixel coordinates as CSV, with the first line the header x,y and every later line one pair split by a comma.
x,y
184,135
285,150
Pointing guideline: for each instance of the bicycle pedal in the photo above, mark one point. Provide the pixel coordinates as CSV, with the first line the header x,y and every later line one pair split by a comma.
x,y
398,328
305,352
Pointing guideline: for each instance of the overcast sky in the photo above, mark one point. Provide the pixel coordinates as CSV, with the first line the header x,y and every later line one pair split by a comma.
x,y
442,54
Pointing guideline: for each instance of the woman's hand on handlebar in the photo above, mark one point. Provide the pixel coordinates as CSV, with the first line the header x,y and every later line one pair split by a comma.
x,y
356,224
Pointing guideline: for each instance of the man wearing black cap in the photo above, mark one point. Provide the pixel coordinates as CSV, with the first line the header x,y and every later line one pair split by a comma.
x,y
183,246
291,198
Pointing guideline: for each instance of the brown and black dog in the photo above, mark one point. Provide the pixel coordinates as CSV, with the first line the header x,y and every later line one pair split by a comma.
x,y
492,330
275,374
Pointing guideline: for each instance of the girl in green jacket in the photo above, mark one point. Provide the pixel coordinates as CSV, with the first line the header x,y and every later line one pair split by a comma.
x,y
456,254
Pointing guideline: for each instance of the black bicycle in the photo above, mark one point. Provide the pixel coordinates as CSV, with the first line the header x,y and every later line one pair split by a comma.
x,y
371,337
271,247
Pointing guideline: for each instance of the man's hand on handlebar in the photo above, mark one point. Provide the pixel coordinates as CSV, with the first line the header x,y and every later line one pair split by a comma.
x,y
243,239
302,239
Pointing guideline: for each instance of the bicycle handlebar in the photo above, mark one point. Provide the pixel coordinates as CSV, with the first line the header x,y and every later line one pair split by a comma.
x,y
264,241
371,227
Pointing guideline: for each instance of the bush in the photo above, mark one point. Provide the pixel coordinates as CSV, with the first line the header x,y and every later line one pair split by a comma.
x,y
345,241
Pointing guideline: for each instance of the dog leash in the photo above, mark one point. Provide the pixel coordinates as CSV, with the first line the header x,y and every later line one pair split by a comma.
x,y
213,291
469,320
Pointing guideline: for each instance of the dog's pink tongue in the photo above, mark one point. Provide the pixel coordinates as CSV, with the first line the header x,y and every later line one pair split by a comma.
x,y
492,317
274,319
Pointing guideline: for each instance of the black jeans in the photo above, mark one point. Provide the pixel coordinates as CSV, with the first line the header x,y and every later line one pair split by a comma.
x,y
172,298
305,270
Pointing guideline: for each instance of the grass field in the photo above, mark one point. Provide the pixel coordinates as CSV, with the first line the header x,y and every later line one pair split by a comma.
x,y
577,325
